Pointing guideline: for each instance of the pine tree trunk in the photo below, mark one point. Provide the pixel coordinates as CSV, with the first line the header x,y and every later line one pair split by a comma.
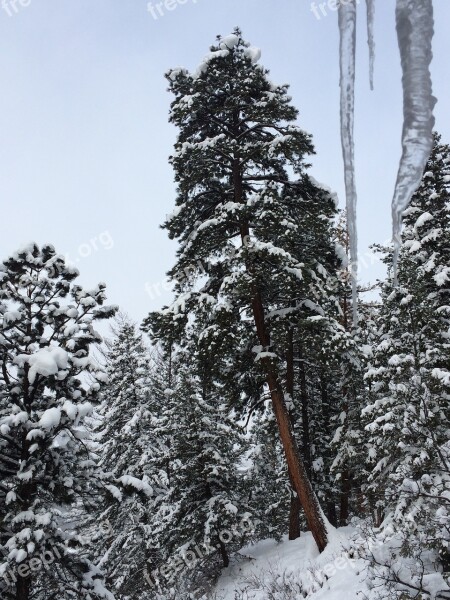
x,y
302,485
224,554
27,492
300,480
23,588
294,511
332,513
345,492
294,515
306,443
331,500
344,509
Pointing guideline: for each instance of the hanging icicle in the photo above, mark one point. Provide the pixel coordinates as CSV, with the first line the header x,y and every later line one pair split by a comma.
x,y
370,4
347,28
415,29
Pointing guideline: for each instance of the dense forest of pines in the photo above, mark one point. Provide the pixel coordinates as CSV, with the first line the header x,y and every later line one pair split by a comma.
x,y
251,407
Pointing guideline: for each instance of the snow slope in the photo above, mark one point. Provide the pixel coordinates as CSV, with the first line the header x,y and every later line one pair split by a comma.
x,y
295,569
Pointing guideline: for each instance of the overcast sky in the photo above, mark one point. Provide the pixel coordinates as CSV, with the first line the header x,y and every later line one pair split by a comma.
x,y
84,137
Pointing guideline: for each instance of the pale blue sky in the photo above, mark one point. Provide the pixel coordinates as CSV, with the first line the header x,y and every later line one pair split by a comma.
x,y
84,137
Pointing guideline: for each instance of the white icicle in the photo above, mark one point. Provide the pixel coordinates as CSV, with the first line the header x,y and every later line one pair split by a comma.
x,y
347,28
371,37
415,29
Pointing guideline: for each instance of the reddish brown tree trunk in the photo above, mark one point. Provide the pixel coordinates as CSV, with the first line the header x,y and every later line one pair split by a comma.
x,y
300,480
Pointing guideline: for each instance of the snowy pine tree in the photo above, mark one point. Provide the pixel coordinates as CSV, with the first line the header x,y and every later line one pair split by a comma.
x,y
346,367
49,382
244,226
269,490
409,377
203,518
128,449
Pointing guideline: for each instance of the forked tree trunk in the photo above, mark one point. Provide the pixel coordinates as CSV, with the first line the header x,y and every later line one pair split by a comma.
x,y
300,480
302,485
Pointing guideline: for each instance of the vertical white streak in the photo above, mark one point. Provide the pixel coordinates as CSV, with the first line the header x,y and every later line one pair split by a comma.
x,y
370,4
347,28
415,29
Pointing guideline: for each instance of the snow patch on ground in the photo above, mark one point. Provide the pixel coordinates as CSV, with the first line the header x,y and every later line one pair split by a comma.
x,y
332,575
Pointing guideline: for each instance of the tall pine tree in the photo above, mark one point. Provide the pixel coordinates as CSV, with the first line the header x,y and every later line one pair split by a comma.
x,y
409,378
242,225
204,513
129,446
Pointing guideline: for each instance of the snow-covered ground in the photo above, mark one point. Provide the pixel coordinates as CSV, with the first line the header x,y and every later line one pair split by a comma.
x,y
295,569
